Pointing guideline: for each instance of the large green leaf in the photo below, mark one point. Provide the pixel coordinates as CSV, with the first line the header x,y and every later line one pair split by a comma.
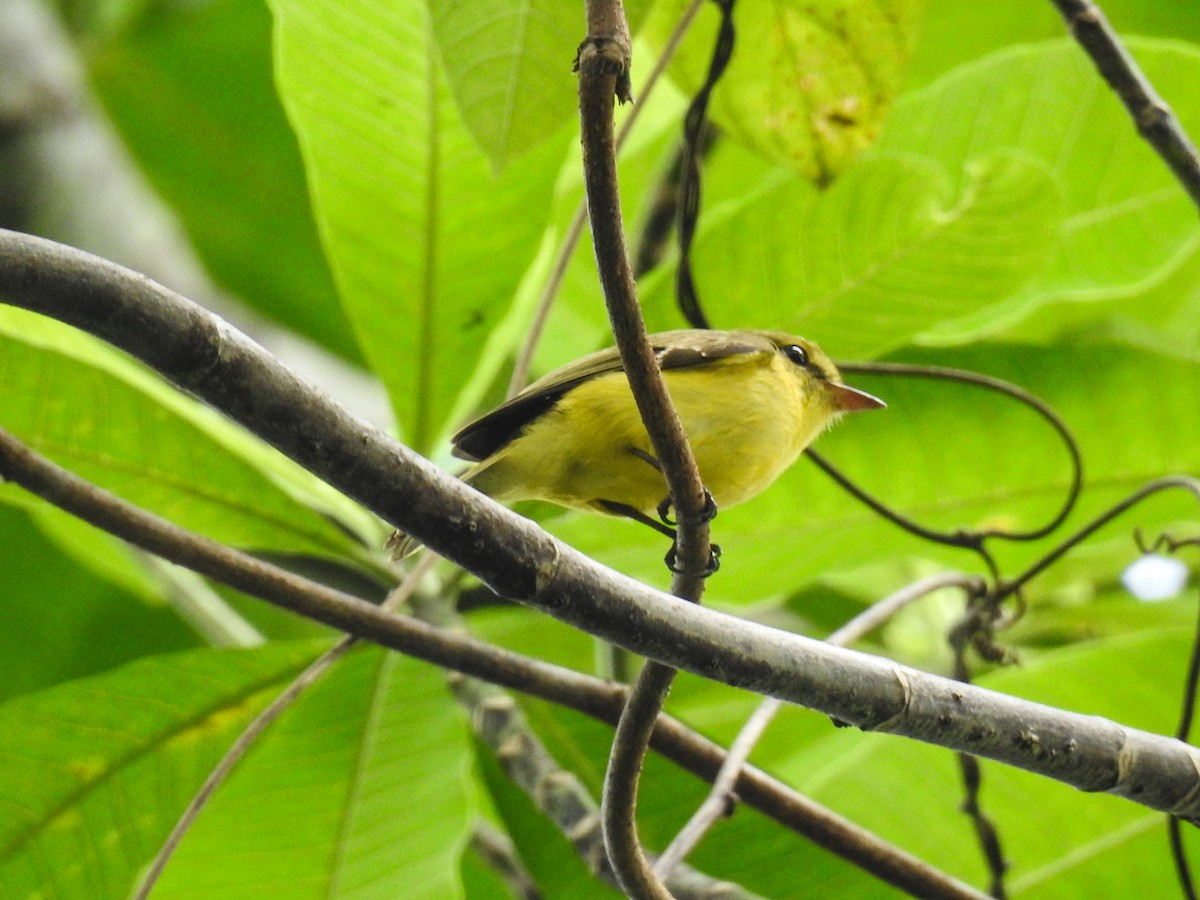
x,y
190,88
1127,223
427,247
366,775
106,419
810,83
509,66
1164,318
95,772
59,621
889,251
359,791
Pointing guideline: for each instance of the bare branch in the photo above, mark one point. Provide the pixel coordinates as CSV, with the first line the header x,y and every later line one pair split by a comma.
x,y
1153,118
603,64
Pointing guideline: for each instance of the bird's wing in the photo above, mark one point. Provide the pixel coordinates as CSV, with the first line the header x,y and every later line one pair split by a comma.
x,y
492,431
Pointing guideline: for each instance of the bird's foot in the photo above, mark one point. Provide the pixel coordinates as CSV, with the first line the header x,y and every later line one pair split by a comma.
x,y
707,514
714,560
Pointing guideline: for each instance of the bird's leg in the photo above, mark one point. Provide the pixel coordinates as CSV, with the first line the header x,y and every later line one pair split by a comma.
x,y
664,508
629,512
710,505
647,458
706,515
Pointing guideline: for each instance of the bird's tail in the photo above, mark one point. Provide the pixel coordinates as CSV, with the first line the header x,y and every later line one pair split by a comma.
x,y
401,546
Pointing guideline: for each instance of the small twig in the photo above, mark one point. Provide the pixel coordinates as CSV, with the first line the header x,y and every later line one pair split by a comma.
x,y
966,538
1153,118
621,779
977,619
497,851
878,613
289,695
721,795
1183,730
603,64
718,804
985,830
654,240
1183,871
694,125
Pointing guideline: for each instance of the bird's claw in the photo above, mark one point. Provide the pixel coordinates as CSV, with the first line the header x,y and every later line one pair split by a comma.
x,y
707,514
714,560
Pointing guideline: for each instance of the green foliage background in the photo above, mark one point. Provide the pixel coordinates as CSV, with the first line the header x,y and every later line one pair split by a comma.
x,y
389,180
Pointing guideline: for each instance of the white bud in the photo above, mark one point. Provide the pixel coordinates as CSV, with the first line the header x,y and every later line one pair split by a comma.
x,y
1154,577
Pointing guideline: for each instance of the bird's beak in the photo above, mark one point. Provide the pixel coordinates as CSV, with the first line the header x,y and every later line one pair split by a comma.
x,y
848,399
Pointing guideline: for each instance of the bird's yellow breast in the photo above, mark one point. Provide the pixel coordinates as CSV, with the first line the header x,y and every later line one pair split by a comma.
x,y
747,418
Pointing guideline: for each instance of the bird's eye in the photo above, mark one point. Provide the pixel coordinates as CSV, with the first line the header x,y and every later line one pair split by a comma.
x,y
796,354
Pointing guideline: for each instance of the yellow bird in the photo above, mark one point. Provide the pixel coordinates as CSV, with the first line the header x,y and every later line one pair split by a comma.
x,y
749,401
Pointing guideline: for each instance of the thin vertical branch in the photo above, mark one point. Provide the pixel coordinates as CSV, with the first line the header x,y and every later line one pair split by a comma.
x,y
603,64
694,126
1154,120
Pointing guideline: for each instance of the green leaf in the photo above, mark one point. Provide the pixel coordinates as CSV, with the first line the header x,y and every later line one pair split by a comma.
x,y
190,88
107,556
59,621
427,247
889,251
1127,223
95,772
509,67
810,83
360,790
1164,318
104,418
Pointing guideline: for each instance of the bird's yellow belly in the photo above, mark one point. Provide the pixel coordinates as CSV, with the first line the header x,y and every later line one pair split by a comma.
x,y
591,447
